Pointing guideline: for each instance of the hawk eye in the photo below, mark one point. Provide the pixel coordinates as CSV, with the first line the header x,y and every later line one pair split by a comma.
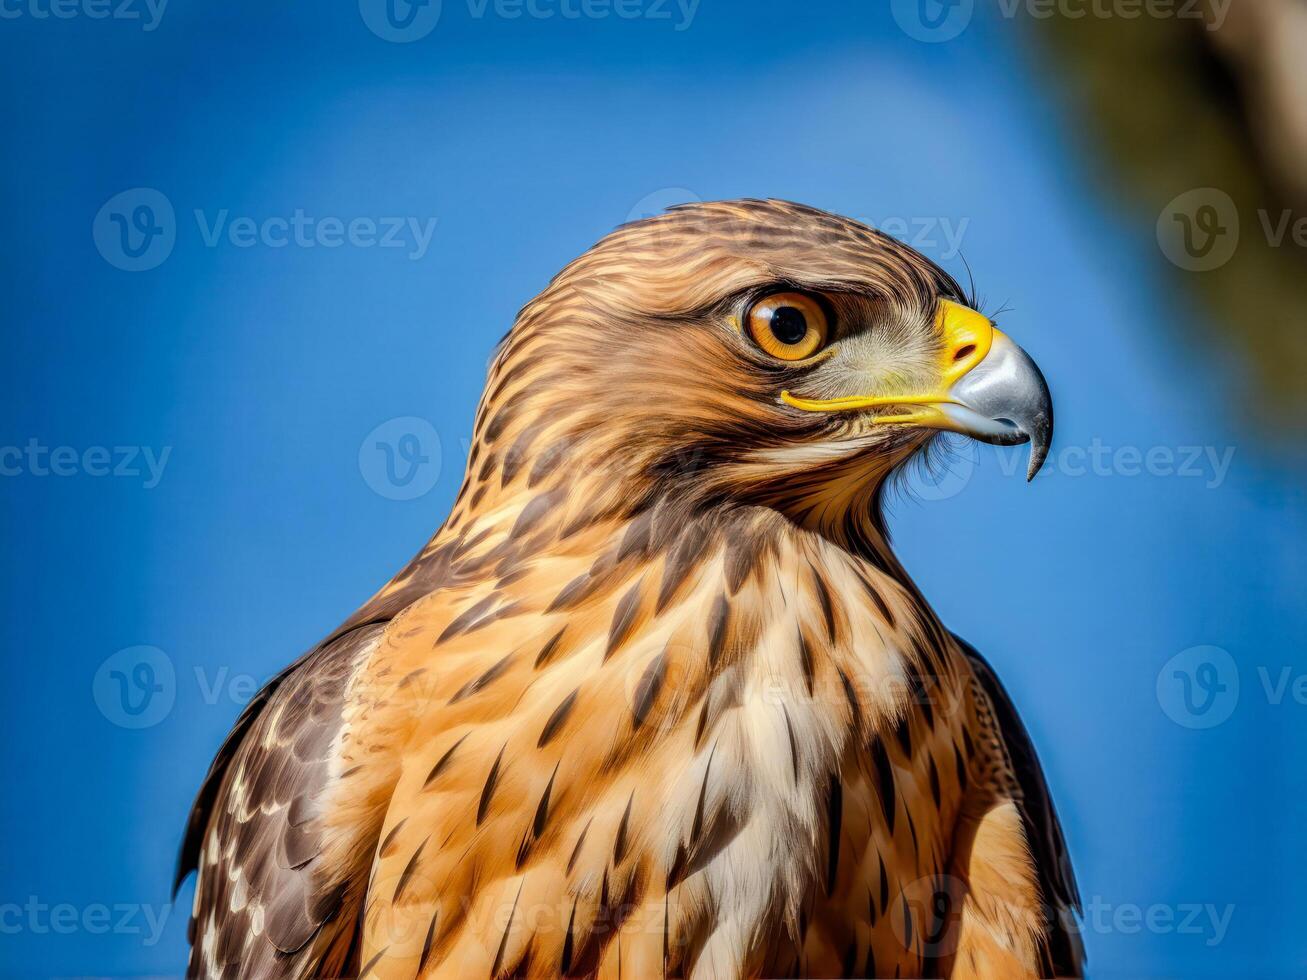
x,y
790,326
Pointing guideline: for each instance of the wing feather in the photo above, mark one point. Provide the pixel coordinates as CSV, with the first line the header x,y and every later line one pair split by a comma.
x,y
255,834
1057,881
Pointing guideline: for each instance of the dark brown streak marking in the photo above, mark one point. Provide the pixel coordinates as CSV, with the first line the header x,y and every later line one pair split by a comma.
x,y
547,462
409,678
884,783
386,848
533,513
827,606
619,844
556,719
477,683
961,768
466,619
703,719
407,873
855,709
514,576
805,661
794,748
537,824
503,940
428,943
646,692
637,537
572,593
488,790
549,649
565,966
834,817
850,958
878,600
718,621
907,924
542,811
884,889
680,563
517,454
443,762
934,782
903,732
740,559
696,828
623,619
576,850
367,968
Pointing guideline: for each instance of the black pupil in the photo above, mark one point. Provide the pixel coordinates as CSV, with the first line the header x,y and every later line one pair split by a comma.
x,y
789,325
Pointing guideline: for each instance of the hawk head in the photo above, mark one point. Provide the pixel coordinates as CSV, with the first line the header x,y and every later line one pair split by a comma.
x,y
749,352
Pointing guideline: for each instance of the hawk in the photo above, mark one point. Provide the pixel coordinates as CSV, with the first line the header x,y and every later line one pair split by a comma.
x,y
658,699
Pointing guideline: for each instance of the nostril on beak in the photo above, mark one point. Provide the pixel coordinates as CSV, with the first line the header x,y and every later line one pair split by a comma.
x,y
963,352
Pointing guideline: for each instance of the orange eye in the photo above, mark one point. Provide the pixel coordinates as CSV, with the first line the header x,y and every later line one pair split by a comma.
x,y
790,326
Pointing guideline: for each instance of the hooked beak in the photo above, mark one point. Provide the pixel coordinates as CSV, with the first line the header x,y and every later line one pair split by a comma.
x,y
990,389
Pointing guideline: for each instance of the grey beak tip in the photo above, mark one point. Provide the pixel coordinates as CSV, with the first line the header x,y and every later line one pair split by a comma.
x,y
1040,439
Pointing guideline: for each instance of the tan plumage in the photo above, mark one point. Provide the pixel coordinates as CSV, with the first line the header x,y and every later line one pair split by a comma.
x,y
657,699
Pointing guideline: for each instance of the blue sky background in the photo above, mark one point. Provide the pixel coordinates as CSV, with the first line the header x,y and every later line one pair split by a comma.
x,y
265,369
